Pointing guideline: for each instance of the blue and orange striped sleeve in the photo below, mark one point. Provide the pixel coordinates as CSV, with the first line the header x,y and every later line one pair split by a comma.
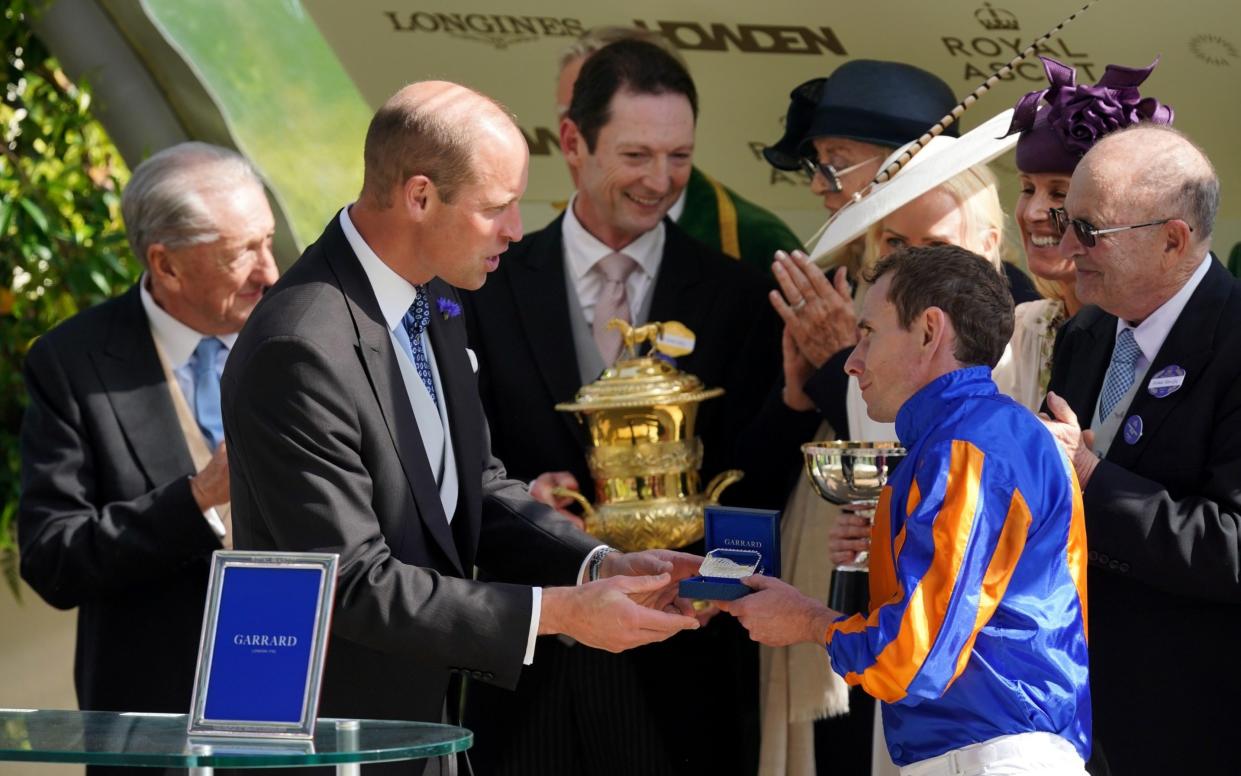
x,y
946,572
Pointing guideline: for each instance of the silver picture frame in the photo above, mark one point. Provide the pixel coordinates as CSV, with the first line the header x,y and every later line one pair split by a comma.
x,y
200,725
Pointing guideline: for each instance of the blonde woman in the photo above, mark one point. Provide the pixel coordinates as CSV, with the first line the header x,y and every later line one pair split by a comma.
x,y
963,211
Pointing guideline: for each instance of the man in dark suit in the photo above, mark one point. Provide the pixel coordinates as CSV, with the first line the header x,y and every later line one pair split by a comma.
x,y
1152,368
539,329
124,479
354,426
706,209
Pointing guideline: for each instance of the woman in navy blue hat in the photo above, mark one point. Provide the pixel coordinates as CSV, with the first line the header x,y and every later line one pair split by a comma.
x,y
839,128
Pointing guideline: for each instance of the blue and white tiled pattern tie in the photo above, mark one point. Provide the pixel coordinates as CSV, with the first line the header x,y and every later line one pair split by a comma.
x,y
1119,372
416,321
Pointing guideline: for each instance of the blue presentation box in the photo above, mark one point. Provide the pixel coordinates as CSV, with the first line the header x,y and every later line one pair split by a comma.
x,y
737,535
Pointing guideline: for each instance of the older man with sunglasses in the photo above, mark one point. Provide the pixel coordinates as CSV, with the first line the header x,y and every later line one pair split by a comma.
x,y
1151,369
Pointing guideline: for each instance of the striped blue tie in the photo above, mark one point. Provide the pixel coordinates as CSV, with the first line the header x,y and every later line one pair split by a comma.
x,y
416,321
1119,373
207,391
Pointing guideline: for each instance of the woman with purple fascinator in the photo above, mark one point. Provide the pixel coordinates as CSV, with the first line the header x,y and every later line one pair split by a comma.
x,y
1058,125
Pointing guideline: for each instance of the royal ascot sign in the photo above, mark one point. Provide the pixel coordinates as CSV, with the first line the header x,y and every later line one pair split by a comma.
x,y
745,63
1001,40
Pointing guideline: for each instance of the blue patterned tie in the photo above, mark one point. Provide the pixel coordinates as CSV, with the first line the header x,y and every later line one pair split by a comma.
x,y
415,322
207,391
1119,372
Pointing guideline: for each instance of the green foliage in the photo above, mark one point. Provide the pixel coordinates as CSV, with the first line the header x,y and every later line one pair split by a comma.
x,y
62,243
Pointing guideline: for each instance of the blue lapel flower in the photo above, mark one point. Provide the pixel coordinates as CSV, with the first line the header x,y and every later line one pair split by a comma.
x,y
447,307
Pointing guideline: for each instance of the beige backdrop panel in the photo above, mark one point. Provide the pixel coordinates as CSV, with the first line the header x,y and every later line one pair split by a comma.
x,y
36,666
746,57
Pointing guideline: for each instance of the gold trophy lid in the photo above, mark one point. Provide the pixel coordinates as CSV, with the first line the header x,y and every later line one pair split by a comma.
x,y
644,381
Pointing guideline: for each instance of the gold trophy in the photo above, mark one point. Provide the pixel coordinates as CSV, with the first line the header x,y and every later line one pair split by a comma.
x,y
851,473
644,457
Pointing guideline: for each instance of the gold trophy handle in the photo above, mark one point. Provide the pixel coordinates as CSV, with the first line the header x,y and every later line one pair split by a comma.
x,y
587,509
721,481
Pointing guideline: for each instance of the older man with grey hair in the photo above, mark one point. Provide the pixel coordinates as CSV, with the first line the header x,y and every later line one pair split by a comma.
x,y
124,475
1151,368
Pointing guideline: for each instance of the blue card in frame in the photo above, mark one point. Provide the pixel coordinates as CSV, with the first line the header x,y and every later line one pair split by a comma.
x,y
738,542
263,643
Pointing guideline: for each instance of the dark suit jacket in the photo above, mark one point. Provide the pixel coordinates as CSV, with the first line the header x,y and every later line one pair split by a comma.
x,y
107,522
617,714
1163,520
325,455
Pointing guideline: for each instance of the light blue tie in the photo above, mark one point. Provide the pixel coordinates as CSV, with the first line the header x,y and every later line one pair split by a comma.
x,y
1119,372
207,391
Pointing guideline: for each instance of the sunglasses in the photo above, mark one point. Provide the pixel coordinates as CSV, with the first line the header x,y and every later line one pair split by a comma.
x,y
830,173
1087,233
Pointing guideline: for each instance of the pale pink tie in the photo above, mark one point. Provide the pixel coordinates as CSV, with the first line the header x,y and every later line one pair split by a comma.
x,y
613,303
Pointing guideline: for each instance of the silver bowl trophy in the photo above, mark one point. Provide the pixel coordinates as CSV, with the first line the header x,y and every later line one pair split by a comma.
x,y
851,473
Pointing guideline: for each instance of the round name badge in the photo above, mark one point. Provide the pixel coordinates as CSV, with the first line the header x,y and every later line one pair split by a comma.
x,y
1168,380
1133,429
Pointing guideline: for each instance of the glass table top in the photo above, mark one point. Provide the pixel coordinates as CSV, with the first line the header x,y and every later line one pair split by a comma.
x,y
111,738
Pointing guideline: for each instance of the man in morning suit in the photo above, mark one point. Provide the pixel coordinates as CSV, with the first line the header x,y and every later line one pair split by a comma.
x,y
1152,368
354,426
124,477
540,332
705,209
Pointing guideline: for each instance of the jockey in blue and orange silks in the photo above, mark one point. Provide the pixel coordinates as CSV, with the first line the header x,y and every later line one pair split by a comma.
x,y
975,641
977,580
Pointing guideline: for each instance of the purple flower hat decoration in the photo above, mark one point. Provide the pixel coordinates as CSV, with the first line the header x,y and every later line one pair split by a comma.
x,y
1076,116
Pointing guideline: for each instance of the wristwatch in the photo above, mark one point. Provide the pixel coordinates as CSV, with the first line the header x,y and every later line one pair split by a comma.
x,y
592,575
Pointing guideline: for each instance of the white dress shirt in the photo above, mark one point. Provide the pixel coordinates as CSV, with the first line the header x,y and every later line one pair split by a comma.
x,y
178,342
583,251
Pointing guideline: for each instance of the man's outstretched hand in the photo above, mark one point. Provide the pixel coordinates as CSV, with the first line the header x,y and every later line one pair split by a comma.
x,y
678,565
608,614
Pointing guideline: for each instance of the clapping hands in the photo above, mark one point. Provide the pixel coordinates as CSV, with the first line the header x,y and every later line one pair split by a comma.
x,y
819,320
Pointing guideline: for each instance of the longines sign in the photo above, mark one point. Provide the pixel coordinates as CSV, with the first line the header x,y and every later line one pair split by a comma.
x,y
499,30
